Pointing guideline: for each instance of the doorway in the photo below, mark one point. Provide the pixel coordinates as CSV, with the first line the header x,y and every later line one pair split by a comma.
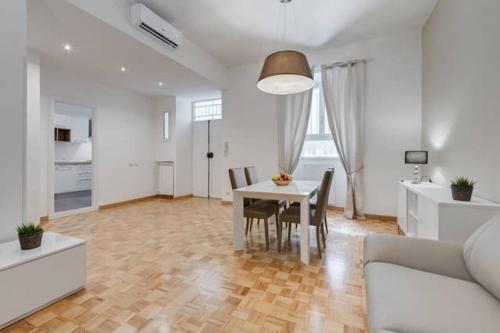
x,y
207,158
72,159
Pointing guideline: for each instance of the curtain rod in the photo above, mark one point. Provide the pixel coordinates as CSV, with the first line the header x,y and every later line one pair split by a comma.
x,y
345,63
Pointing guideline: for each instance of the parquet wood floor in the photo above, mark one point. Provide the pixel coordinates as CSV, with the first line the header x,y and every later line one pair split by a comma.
x,y
169,266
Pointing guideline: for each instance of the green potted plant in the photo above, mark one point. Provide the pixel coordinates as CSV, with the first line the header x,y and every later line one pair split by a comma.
x,y
461,188
30,235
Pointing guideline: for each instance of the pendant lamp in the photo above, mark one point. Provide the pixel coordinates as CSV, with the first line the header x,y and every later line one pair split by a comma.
x,y
285,72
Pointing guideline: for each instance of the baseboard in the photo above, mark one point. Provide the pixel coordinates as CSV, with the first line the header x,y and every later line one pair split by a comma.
x,y
165,196
182,197
127,202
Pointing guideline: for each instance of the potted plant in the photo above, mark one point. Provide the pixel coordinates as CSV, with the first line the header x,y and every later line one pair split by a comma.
x,y
30,235
461,188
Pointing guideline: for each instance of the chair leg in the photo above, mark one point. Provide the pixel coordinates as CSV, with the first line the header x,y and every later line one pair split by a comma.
x,y
280,231
326,224
266,230
318,242
246,226
251,224
323,235
289,231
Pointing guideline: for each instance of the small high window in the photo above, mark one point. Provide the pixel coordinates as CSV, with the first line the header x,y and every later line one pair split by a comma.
x,y
207,110
166,128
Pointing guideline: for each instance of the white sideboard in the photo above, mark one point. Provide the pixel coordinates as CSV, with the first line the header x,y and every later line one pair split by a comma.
x,y
33,279
427,210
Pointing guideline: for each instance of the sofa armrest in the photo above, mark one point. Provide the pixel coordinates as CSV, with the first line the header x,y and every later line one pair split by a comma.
x,y
431,256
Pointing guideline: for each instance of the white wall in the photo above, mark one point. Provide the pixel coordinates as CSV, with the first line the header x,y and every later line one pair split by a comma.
x,y
184,147
393,115
68,151
124,136
461,93
249,125
12,114
32,178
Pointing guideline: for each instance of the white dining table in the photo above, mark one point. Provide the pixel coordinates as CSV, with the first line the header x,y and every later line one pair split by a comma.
x,y
297,190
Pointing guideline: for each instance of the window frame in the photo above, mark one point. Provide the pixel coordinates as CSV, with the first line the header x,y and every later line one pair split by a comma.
x,y
193,109
166,126
324,127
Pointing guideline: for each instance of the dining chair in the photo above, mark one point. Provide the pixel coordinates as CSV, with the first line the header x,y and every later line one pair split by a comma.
x,y
312,202
317,215
253,210
253,178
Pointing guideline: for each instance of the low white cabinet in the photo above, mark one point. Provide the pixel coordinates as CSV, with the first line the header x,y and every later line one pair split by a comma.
x,y
427,210
33,279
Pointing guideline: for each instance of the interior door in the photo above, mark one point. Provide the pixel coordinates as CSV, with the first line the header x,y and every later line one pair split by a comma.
x,y
207,159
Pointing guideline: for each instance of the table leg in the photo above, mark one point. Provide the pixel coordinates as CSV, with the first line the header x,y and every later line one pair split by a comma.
x,y
304,230
238,222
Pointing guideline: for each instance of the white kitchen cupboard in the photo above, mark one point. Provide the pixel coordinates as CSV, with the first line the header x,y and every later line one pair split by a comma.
x,y
62,121
166,178
79,126
427,210
79,129
72,177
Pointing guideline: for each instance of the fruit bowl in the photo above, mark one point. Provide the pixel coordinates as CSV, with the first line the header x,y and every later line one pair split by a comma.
x,y
283,179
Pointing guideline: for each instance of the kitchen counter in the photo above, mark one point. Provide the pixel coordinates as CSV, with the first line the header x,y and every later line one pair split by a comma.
x,y
73,163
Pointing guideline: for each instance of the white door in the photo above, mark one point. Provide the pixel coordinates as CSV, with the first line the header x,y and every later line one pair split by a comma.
x,y
207,172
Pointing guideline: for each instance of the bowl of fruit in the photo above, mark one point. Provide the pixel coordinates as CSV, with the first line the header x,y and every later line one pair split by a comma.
x,y
282,179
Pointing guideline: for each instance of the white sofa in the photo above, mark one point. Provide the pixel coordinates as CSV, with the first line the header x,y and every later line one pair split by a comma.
x,y
425,286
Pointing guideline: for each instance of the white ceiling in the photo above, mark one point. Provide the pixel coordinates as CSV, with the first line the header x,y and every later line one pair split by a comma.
x,y
99,51
240,31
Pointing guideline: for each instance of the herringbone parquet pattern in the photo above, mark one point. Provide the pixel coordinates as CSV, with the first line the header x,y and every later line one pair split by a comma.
x,y
169,266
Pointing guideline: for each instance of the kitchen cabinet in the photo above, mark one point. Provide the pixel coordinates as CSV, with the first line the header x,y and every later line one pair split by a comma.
x,y
72,178
79,129
76,128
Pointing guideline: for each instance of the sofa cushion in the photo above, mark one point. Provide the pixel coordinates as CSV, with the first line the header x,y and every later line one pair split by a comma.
x,y
402,299
482,256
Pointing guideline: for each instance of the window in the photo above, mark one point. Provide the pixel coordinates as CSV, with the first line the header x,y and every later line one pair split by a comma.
x,y
166,128
207,110
319,142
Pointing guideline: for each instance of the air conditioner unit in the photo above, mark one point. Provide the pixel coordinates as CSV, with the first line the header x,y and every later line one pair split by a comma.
x,y
144,18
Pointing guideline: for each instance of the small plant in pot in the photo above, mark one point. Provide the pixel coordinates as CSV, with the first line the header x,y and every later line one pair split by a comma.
x,y
461,188
30,236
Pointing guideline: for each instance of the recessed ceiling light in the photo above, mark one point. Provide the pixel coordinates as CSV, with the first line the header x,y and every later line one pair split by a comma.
x,y
123,69
67,47
160,83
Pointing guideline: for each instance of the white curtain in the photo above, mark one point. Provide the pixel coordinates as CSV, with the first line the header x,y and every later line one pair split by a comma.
x,y
293,117
343,89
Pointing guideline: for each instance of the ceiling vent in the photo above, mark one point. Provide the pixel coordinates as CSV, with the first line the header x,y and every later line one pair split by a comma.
x,y
144,18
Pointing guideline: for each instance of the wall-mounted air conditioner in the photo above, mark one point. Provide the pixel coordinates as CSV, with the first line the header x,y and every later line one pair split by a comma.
x,y
144,18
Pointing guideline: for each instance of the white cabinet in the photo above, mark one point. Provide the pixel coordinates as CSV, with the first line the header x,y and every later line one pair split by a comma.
x,y
427,210
72,178
166,178
31,280
79,129
62,121
79,126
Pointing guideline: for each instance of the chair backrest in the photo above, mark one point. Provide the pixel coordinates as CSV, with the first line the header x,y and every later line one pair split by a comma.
x,y
238,179
322,200
251,175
